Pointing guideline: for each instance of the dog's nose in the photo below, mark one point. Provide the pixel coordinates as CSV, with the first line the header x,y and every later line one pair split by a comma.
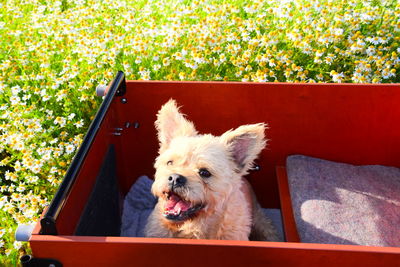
x,y
177,180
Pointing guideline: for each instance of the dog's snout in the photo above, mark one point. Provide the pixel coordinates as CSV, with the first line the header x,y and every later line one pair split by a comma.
x,y
177,180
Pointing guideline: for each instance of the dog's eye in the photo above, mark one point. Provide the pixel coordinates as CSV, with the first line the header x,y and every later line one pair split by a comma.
x,y
169,162
204,173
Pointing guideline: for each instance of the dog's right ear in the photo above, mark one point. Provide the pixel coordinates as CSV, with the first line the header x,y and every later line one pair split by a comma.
x,y
171,123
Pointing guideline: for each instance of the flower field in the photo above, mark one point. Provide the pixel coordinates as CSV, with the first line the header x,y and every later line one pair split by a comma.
x,y
53,54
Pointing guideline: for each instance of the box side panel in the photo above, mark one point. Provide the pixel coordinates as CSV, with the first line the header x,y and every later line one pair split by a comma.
x,y
348,123
139,252
289,223
77,199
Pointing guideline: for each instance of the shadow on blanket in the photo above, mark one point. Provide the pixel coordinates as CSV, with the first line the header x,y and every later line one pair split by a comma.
x,y
139,203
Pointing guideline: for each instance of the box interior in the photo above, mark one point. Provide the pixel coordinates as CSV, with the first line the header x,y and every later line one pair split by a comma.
x,y
351,124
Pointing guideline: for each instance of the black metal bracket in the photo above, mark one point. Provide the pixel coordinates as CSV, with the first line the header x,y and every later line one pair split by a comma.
x,y
48,226
29,261
120,80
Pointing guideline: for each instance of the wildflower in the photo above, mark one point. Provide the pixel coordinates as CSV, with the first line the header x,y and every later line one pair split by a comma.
x,y
337,77
69,149
338,32
17,166
156,67
60,121
17,244
79,124
15,100
8,252
166,62
11,176
144,74
53,170
32,179
329,59
3,201
21,187
182,75
71,116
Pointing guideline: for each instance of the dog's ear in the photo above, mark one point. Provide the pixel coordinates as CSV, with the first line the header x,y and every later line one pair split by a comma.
x,y
245,143
171,123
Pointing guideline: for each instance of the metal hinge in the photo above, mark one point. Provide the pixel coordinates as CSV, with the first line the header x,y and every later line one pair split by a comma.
x,y
29,261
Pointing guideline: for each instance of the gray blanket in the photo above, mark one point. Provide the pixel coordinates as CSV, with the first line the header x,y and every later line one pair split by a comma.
x,y
139,203
339,203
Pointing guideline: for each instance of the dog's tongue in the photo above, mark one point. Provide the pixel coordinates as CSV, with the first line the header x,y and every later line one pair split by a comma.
x,y
175,203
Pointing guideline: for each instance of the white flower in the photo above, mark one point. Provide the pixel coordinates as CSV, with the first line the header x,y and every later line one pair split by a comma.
x,y
338,32
337,77
69,149
10,176
53,170
60,121
21,187
78,124
156,67
17,166
15,100
17,245
71,116
2,232
15,90
30,213
3,201
32,179
36,168
144,74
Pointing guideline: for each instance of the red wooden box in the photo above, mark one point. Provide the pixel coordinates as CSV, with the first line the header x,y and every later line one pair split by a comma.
x,y
358,124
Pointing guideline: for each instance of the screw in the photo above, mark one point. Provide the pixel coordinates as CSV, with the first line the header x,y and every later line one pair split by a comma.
x,y
124,100
127,124
136,125
256,168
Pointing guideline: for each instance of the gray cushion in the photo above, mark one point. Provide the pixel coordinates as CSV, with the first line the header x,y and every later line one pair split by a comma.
x,y
139,203
338,203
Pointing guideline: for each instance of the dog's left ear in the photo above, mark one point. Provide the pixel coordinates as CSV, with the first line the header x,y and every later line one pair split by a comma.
x,y
245,143
171,123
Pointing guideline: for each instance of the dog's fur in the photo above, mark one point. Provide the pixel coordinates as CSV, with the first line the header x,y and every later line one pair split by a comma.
x,y
221,206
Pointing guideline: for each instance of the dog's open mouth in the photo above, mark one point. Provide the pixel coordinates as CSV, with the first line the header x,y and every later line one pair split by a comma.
x,y
178,209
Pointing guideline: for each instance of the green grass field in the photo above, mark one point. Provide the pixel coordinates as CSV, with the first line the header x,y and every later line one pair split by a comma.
x,y
54,53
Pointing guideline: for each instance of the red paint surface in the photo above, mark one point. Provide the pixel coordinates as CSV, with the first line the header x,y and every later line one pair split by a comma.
x,y
119,251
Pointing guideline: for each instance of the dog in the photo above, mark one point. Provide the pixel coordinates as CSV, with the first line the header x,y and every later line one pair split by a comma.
x,y
199,182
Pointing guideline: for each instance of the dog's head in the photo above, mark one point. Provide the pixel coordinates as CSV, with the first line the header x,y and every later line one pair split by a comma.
x,y
196,173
